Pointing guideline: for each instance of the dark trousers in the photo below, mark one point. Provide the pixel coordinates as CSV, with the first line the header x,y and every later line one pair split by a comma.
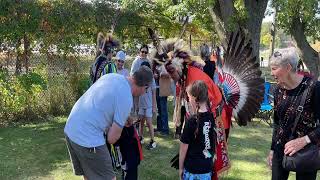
x,y
130,174
162,118
183,115
279,173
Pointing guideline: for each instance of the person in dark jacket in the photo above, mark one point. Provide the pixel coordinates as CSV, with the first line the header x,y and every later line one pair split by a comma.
x,y
131,152
210,67
287,98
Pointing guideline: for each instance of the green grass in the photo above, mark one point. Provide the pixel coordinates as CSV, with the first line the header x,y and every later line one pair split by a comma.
x,y
38,151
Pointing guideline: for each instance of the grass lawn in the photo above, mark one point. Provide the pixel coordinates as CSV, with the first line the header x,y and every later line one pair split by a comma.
x,y
38,151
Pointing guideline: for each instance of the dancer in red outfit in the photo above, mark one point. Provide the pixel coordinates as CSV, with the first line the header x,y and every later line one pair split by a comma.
x,y
241,85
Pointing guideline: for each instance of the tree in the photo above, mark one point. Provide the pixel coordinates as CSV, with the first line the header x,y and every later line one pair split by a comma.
x,y
247,14
165,16
298,18
19,22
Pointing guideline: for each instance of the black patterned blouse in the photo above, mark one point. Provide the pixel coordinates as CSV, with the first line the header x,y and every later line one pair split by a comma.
x,y
286,103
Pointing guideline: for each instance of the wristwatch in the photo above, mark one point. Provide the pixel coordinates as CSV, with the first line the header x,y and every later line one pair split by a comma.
x,y
306,137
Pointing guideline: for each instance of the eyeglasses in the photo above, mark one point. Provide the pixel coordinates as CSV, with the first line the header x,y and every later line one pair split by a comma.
x,y
277,54
120,61
145,52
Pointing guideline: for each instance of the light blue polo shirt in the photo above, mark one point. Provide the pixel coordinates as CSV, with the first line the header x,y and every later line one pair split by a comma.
x,y
108,100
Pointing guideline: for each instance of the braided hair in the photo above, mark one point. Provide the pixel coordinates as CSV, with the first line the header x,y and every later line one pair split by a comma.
x,y
199,91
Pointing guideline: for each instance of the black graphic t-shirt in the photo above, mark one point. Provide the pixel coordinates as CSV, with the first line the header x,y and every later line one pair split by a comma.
x,y
201,146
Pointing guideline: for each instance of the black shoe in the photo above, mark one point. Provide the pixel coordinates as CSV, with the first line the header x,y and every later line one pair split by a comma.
x,y
151,145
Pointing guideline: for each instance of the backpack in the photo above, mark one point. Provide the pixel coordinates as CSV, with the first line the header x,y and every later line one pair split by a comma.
x,y
101,67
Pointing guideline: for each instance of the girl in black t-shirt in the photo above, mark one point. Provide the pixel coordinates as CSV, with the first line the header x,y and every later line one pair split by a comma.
x,y
197,145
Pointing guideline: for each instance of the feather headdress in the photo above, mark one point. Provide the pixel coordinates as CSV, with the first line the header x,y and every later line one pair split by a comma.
x,y
105,44
242,85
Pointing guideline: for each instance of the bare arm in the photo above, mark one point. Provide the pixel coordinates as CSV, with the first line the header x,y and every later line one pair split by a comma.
x,y
114,133
182,156
154,101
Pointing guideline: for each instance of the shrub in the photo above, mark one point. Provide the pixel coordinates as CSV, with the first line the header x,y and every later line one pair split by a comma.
x,y
47,90
19,97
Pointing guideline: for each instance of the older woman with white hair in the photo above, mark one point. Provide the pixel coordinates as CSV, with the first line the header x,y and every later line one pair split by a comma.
x,y
296,113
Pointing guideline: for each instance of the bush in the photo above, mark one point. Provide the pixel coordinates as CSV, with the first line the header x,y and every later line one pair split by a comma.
x,y
32,97
19,97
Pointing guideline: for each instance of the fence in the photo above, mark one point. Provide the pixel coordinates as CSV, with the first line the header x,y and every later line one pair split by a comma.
x,y
51,87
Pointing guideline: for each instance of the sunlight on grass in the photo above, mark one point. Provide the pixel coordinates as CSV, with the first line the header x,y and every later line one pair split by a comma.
x,y
38,151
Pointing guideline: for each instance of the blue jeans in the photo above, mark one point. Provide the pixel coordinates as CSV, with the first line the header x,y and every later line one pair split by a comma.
x,y
162,118
190,176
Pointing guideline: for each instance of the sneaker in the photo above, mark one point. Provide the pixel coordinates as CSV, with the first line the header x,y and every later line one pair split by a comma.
x,y
151,145
141,140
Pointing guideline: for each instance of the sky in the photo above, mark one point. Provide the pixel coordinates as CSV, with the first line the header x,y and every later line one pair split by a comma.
x,y
269,16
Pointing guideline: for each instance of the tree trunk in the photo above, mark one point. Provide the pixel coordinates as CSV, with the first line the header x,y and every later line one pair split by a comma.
x,y
115,20
224,10
309,56
18,69
184,26
273,39
222,13
255,10
26,52
218,24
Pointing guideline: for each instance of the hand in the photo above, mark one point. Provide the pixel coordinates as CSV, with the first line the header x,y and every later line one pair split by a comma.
x,y
129,121
154,109
294,146
181,174
269,159
173,72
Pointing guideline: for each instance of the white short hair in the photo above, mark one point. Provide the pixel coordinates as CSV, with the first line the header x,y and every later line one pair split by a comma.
x,y
286,56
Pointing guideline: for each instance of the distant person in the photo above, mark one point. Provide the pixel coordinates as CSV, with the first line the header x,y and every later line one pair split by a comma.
x,y
103,62
302,71
121,59
300,65
136,64
209,68
142,57
147,107
213,56
261,62
163,82
103,109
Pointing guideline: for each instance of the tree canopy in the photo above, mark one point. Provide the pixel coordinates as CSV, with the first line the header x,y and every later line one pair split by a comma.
x,y
301,20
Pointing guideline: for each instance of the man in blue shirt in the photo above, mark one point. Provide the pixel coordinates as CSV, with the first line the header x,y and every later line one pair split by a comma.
x,y
105,107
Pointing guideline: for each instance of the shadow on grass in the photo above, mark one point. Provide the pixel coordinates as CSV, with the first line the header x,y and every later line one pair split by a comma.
x,y
32,150
156,163
37,151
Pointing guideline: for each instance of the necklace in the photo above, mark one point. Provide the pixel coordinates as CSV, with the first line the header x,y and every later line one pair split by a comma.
x,y
284,96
